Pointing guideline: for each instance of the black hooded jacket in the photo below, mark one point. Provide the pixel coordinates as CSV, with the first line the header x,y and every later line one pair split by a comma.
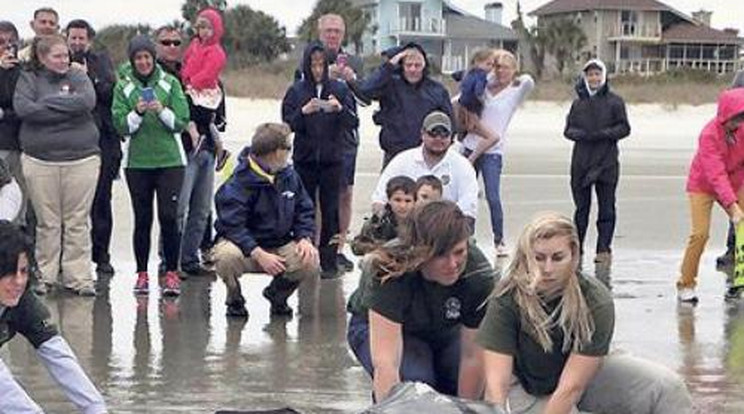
x,y
595,124
403,105
319,136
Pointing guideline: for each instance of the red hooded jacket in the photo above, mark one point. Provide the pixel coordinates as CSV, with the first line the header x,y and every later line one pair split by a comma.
x,y
203,61
718,166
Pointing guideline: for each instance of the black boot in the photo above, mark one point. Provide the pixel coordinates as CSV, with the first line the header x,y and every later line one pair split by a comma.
x,y
277,293
236,305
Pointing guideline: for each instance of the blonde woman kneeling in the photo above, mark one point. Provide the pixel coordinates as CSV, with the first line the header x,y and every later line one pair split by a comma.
x,y
552,327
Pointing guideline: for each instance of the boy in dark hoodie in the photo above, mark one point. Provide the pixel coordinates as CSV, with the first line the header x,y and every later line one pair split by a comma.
x,y
596,123
320,111
265,223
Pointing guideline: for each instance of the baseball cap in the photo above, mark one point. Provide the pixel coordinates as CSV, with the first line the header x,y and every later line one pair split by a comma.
x,y
437,119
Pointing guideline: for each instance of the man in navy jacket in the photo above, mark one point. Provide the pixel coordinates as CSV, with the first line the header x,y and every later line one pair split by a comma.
x,y
265,223
406,94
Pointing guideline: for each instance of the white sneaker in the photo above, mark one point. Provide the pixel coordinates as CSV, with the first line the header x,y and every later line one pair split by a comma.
x,y
501,250
687,295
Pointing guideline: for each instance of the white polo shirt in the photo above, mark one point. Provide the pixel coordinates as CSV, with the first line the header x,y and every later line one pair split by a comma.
x,y
459,182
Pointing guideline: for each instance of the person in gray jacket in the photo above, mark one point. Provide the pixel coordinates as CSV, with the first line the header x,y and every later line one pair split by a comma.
x,y
60,162
21,312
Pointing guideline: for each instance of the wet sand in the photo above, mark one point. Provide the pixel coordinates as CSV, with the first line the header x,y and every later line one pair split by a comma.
x,y
154,355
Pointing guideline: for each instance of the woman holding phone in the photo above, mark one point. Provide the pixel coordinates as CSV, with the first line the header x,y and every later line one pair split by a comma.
x,y
151,110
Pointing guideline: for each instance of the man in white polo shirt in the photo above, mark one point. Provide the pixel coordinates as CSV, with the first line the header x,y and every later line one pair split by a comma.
x,y
434,157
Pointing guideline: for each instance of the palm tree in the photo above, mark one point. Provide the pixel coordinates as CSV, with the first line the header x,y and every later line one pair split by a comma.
x,y
564,39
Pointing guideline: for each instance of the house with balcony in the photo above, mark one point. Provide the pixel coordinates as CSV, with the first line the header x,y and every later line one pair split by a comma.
x,y
647,36
447,33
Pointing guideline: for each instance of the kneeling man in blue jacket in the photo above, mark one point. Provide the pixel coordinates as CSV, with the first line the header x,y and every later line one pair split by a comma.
x,y
265,223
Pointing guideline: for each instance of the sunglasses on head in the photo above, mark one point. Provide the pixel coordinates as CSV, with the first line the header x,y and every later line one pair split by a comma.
x,y
439,132
170,43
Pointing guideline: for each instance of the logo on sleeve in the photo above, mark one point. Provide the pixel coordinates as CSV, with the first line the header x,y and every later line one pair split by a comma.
x,y
288,194
452,308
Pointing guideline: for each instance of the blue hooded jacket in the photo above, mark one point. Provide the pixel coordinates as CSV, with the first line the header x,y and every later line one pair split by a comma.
x,y
403,105
253,212
320,136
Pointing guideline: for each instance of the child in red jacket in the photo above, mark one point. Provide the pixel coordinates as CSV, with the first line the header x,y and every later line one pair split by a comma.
x,y
203,63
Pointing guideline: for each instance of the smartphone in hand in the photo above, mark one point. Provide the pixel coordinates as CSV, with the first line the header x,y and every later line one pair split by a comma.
x,y
148,94
342,60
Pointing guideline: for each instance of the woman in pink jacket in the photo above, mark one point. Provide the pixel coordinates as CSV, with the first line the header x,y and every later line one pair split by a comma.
x,y
716,174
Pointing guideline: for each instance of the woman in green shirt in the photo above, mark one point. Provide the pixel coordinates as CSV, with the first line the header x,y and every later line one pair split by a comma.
x,y
551,327
419,303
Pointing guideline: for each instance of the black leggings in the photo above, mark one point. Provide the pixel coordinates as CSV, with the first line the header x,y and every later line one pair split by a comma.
x,y
143,185
605,186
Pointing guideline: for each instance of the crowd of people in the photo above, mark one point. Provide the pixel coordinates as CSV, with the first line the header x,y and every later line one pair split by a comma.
x,y
429,306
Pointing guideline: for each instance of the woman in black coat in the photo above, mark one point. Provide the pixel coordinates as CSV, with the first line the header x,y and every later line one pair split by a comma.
x,y
596,123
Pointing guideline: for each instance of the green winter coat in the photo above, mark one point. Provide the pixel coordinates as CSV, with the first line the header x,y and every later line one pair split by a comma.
x,y
154,139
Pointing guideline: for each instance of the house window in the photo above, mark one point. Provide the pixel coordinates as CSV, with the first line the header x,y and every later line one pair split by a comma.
x,y
629,21
409,15
577,18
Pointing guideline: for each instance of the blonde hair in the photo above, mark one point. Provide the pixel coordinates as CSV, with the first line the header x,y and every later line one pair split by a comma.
x,y
572,315
505,56
482,55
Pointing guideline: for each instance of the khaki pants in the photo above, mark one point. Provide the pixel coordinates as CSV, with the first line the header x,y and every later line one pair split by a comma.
x,y
701,205
623,385
62,196
231,264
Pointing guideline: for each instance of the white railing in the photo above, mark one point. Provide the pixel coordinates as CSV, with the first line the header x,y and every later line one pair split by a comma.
x,y
649,66
451,64
431,26
630,30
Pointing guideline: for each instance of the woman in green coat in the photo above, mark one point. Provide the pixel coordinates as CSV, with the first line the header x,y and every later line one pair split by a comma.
x,y
151,111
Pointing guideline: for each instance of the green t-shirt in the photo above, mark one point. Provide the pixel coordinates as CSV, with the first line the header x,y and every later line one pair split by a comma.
x,y
30,318
537,370
427,309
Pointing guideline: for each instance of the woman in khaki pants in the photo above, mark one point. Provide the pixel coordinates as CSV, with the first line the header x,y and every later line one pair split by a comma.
x,y
60,162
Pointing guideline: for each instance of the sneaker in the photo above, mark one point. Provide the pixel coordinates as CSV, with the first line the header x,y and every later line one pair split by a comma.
x,y
687,295
501,250
105,268
344,263
172,284
221,160
142,287
725,260
603,258
278,307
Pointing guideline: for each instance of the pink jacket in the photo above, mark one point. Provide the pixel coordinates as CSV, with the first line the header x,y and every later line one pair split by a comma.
x,y
203,61
718,166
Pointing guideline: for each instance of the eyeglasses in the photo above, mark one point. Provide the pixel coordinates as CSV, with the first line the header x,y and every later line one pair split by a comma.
x,y
175,43
439,132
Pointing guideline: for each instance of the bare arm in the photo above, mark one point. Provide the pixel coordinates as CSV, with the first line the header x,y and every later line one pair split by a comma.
x,y
471,380
386,347
498,370
577,373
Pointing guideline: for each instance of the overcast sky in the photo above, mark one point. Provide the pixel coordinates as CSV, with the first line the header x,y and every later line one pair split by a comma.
x,y
289,13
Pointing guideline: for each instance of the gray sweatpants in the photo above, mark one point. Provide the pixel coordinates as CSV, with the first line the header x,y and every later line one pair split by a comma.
x,y
623,385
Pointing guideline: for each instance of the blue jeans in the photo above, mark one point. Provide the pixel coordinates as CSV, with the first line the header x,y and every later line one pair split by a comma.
x,y
195,205
490,166
436,364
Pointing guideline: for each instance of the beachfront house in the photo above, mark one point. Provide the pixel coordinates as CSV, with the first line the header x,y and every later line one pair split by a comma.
x,y
448,34
647,36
